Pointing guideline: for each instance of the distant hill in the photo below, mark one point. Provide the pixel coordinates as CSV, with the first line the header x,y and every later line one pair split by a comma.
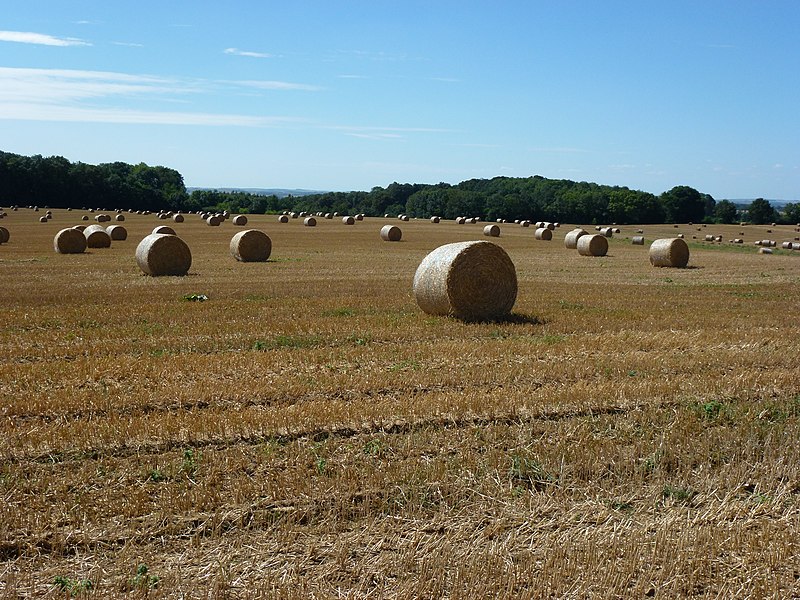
x,y
745,202
279,192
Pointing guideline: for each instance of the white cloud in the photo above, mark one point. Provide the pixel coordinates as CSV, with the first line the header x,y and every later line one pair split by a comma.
x,y
101,97
278,85
128,44
237,52
27,37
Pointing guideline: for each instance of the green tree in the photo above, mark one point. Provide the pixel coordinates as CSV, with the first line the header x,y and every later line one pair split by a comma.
x,y
760,211
791,213
683,204
725,212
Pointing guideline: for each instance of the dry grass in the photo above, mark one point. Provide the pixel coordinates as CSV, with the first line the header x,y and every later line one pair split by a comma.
x,y
308,432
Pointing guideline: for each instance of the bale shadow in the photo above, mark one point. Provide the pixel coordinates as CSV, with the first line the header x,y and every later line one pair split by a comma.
x,y
510,319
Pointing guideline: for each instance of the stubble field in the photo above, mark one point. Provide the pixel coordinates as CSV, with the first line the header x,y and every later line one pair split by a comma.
x,y
308,432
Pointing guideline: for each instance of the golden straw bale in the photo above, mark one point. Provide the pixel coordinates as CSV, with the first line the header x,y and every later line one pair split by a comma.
x,y
251,245
543,233
669,252
283,219
491,230
69,241
4,235
177,218
595,244
164,230
310,222
571,239
637,240
469,280
391,233
117,233
97,237
159,254
348,220
240,220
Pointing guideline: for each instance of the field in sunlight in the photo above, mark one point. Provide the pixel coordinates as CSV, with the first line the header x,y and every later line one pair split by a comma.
x,y
307,431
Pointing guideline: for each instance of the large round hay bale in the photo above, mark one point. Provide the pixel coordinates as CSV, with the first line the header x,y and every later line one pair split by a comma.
x,y
637,240
310,222
607,231
42,219
119,218
404,218
117,232
435,219
213,221
460,220
159,254
97,237
765,250
571,239
178,218
4,235
348,220
240,220
283,219
251,245
491,230
85,218
359,217
595,244
164,230
543,233
391,233
669,252
786,245
79,227
69,241
469,280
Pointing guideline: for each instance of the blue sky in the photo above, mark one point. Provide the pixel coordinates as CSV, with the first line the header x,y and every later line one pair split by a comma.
x,y
354,94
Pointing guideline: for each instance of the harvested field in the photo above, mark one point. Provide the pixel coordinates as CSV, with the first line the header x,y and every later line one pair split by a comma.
x,y
299,428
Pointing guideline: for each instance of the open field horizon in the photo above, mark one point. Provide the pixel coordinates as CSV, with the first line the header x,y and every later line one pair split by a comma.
x,y
307,431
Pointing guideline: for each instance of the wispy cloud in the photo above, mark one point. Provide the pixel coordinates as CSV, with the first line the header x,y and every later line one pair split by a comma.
x,y
105,97
278,85
43,39
237,52
376,136
128,44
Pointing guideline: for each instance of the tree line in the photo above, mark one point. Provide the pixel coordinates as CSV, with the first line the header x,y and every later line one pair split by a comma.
x,y
54,181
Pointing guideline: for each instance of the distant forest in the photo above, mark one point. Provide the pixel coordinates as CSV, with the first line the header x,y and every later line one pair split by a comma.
x,y
56,182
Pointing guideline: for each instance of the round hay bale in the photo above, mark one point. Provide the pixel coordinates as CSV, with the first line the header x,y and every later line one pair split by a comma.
x,y
391,233
594,244
404,218
119,218
738,241
550,226
669,252
616,230
786,245
69,241
680,235
637,240
571,239
240,220
359,217
795,245
460,220
117,232
607,231
329,215
283,219
164,230
310,222
4,235
97,238
469,280
435,219
525,223
543,233
348,220
471,221
491,231
765,250
85,218
159,254
709,238
177,218
213,221
251,245
80,227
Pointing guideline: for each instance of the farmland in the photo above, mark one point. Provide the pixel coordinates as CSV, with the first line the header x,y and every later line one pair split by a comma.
x,y
307,431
